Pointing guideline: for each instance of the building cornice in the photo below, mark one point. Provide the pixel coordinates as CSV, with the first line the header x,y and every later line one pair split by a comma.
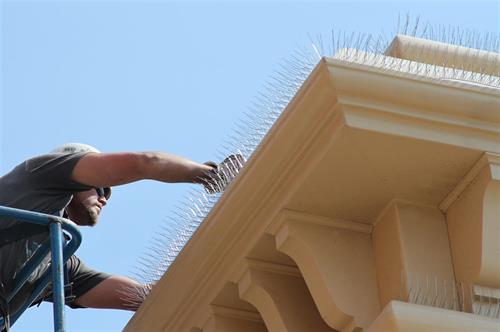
x,y
337,97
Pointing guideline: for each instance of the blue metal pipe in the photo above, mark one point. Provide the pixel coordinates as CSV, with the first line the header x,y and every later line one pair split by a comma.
x,y
56,249
30,216
45,219
42,283
59,255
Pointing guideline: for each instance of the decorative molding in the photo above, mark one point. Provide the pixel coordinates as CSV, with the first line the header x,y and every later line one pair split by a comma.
x,y
283,300
259,265
287,214
394,202
356,104
486,159
474,135
252,316
326,254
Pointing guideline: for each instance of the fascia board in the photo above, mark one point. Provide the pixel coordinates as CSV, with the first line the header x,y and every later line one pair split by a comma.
x,y
420,93
406,104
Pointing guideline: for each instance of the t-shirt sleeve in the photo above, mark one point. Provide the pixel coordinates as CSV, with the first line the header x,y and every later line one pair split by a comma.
x,y
54,171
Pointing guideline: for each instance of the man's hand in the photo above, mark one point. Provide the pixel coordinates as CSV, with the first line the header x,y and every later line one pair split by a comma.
x,y
218,178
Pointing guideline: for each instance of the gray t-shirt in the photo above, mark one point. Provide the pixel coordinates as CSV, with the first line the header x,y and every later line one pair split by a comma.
x,y
42,184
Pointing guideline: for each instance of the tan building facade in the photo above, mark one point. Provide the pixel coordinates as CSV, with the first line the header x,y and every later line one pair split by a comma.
x,y
372,204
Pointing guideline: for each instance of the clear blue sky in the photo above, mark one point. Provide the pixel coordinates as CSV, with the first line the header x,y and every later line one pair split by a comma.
x,y
158,75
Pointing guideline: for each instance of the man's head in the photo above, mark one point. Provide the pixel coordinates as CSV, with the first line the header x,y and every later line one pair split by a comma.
x,y
74,148
85,207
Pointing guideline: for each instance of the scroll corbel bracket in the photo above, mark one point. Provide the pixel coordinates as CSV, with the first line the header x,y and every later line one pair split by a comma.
x,y
473,217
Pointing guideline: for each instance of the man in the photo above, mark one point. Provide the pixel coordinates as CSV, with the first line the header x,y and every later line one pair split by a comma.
x,y
74,181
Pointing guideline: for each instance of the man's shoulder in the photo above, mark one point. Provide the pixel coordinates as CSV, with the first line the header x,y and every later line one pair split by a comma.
x,y
46,166
37,162
51,160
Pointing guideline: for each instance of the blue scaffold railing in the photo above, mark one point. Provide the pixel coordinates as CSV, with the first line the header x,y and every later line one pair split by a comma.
x,y
61,248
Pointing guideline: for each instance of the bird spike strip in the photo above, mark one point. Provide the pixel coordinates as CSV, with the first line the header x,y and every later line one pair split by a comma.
x,y
357,49
430,290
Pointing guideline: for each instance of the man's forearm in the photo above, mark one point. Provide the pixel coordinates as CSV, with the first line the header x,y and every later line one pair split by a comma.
x,y
111,169
171,168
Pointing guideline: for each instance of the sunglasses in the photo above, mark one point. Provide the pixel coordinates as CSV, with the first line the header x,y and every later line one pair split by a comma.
x,y
103,192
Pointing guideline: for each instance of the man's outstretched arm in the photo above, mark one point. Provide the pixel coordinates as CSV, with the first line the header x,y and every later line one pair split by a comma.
x,y
115,292
111,169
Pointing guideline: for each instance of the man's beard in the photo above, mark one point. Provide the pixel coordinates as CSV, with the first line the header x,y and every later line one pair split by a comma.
x,y
92,217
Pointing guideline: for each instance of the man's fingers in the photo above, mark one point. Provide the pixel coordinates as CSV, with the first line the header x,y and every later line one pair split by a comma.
x,y
222,174
211,164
